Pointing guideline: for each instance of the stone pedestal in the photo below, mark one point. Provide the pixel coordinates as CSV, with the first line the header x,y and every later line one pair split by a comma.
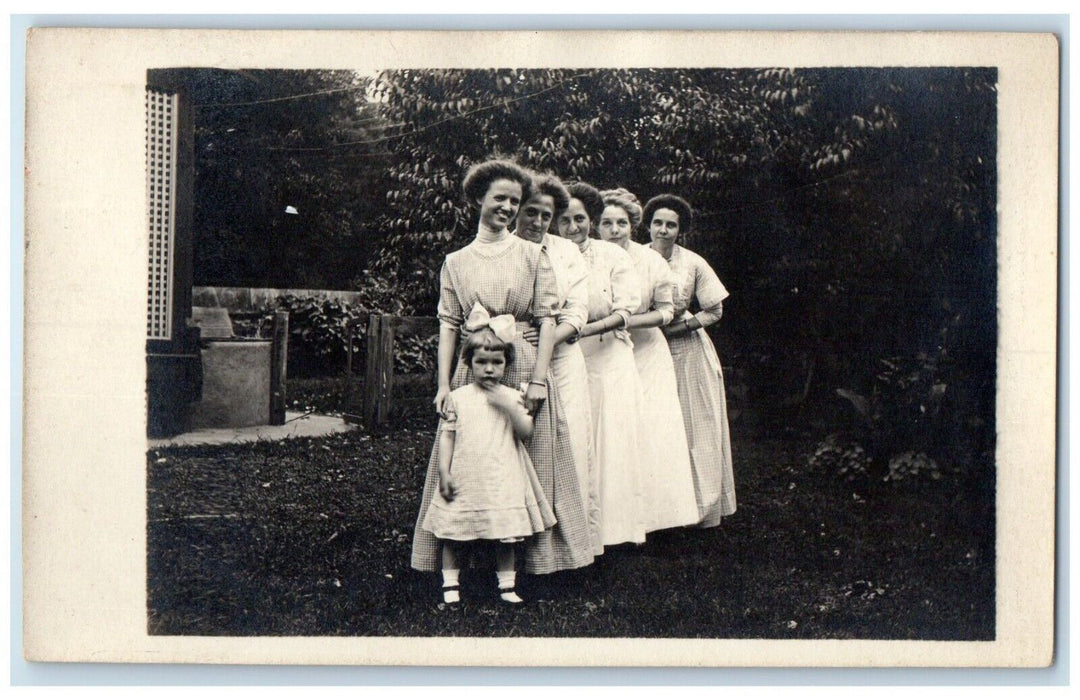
x,y
236,385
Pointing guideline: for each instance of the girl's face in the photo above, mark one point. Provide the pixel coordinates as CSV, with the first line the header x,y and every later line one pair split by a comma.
x,y
500,204
664,227
615,225
488,367
535,217
574,223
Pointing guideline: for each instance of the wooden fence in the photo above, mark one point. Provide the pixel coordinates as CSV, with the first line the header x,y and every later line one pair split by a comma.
x,y
383,395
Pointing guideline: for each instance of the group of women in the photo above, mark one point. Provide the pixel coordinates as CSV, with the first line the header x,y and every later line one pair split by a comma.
x,y
630,431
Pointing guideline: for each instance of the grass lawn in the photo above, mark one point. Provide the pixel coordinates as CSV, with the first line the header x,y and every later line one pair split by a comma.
x,y
312,537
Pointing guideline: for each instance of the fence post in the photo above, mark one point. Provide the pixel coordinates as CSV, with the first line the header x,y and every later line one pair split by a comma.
x,y
371,372
350,329
278,367
387,329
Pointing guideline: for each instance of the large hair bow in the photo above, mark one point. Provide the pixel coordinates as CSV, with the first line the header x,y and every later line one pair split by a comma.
x,y
504,325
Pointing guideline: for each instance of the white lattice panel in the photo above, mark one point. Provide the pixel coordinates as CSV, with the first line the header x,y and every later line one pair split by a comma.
x,y
160,195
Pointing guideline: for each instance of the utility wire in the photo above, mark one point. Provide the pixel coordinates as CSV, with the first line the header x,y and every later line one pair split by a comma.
x,y
287,98
501,103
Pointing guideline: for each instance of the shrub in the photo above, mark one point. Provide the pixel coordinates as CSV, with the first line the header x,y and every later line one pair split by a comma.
x,y
910,465
414,353
841,456
319,334
319,330
899,420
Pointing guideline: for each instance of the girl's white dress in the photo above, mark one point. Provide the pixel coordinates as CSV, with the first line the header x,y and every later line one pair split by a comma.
x,y
615,395
667,477
498,495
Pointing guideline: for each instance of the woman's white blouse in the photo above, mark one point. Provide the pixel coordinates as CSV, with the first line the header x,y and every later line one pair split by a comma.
x,y
655,280
571,280
613,284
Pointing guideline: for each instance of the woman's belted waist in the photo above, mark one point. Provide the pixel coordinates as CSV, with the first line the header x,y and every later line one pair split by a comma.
x,y
519,326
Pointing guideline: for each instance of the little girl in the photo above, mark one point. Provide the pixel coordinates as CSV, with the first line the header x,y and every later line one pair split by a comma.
x,y
487,487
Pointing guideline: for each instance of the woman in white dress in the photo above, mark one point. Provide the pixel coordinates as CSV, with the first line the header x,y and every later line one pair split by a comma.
x,y
697,367
614,386
667,476
549,199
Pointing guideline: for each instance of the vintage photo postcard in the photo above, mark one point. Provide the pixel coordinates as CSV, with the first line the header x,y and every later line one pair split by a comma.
x,y
578,348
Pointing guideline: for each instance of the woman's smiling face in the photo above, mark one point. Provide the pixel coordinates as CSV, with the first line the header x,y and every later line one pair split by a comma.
x,y
574,224
500,203
535,217
615,225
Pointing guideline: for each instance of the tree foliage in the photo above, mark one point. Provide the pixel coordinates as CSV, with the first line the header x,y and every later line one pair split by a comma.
x,y
850,211
268,140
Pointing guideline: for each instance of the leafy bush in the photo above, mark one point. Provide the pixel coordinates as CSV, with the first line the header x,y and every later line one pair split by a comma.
x,y
319,330
381,293
414,354
909,465
842,457
319,334
899,419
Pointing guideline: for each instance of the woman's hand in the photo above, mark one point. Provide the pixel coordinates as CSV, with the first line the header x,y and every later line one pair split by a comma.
x,y
535,396
676,330
532,335
440,400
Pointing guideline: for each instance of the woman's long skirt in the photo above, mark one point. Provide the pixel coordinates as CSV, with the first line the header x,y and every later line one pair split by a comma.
x,y
700,380
667,476
565,546
572,378
615,395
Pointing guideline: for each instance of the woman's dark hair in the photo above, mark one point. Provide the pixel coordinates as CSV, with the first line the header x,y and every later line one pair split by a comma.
x,y
485,339
546,184
480,176
676,204
589,197
625,199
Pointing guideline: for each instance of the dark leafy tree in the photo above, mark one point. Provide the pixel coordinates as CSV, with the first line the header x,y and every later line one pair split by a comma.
x,y
850,211
270,143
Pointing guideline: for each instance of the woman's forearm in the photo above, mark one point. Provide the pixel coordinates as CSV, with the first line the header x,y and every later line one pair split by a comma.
x,y
543,351
603,325
563,332
649,319
448,339
682,327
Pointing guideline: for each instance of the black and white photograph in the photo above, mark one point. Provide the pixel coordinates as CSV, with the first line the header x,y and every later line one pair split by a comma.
x,y
578,351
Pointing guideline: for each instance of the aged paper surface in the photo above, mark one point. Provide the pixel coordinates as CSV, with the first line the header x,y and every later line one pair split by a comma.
x,y
84,472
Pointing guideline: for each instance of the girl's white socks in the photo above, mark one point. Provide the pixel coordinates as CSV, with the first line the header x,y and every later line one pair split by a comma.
x,y
506,587
450,585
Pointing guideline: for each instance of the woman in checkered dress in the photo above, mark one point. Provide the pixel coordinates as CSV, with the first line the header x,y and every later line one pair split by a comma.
x,y
508,275
535,219
697,367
